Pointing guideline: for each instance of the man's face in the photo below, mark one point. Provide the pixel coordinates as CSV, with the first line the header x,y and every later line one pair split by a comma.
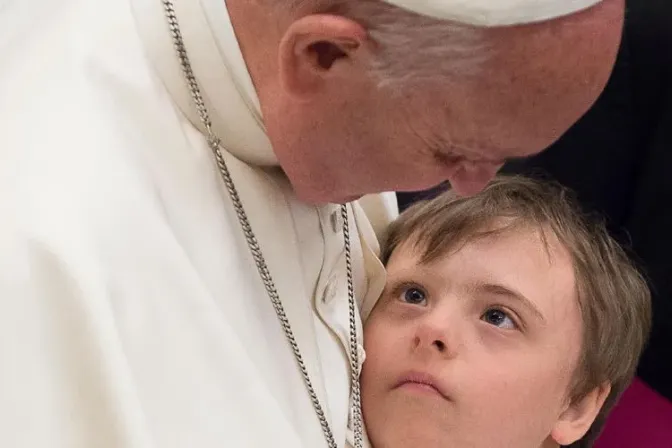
x,y
476,349
347,137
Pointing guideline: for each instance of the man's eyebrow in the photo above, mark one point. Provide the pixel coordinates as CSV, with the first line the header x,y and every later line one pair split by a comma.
x,y
448,157
504,291
445,158
446,152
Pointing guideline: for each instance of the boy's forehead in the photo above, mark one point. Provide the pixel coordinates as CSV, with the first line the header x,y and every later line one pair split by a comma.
x,y
426,247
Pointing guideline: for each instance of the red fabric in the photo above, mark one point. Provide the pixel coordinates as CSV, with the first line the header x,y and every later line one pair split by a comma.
x,y
642,419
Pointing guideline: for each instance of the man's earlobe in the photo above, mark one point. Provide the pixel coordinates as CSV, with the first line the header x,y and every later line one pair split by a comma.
x,y
577,419
311,50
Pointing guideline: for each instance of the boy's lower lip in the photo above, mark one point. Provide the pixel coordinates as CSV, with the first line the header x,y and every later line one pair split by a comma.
x,y
421,388
422,381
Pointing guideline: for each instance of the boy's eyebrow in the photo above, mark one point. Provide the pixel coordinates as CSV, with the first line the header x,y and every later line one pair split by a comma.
x,y
501,290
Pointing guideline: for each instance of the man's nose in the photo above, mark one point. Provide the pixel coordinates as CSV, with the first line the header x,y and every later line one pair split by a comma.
x,y
472,177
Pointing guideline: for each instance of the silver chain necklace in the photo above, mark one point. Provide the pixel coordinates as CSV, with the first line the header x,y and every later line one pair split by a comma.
x,y
214,144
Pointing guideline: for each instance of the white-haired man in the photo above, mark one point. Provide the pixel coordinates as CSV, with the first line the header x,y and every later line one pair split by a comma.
x,y
177,267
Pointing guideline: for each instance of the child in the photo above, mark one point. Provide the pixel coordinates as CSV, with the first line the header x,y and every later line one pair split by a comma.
x,y
508,321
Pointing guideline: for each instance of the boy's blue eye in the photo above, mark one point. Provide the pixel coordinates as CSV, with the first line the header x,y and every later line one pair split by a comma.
x,y
414,296
499,319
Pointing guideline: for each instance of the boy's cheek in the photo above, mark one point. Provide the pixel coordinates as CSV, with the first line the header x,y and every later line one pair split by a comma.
x,y
383,343
375,331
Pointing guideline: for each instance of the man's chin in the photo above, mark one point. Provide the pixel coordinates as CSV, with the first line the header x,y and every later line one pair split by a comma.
x,y
348,199
338,201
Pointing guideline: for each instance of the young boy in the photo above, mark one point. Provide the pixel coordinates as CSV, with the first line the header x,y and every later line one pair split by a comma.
x,y
508,321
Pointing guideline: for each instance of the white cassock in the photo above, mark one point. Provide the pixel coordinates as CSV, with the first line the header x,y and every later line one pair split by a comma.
x,y
131,311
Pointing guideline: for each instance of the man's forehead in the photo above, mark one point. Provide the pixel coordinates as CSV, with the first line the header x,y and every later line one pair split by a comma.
x,y
491,13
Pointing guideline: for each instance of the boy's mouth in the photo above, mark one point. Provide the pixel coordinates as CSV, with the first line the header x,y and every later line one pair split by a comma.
x,y
421,382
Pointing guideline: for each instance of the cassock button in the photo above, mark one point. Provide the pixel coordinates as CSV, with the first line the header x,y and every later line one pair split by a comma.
x,y
361,354
336,221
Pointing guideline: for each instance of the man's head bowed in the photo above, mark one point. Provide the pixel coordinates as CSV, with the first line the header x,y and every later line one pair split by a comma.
x,y
362,96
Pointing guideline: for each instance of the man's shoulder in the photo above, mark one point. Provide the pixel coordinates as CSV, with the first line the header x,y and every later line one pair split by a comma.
x,y
78,113
70,75
80,107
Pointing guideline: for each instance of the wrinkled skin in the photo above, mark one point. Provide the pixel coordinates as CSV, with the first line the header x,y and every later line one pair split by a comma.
x,y
338,136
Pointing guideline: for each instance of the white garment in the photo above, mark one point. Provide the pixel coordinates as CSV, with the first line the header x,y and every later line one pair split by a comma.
x,y
131,312
489,13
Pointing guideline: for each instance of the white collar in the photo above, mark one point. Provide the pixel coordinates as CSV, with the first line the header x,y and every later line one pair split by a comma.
x,y
220,70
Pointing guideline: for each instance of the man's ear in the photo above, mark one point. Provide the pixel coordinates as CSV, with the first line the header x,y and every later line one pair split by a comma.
x,y
313,48
575,421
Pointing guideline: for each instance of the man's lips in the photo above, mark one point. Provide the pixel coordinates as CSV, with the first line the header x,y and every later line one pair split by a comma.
x,y
421,381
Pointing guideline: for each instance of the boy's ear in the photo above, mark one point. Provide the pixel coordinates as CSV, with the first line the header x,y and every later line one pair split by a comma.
x,y
575,421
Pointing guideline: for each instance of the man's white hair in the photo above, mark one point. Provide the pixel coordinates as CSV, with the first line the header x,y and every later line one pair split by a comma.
x,y
408,47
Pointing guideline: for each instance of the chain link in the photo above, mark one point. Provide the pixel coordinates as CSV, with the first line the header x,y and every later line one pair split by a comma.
x,y
215,145
354,352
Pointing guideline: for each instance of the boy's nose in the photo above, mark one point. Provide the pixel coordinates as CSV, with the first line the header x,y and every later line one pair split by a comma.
x,y
437,336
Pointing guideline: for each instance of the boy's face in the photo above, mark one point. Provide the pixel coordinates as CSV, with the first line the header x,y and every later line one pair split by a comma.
x,y
477,349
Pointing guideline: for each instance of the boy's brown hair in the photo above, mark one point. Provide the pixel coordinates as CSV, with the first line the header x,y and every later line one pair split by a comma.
x,y
613,297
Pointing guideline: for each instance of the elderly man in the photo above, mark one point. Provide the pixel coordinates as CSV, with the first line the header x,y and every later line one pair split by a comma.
x,y
176,269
